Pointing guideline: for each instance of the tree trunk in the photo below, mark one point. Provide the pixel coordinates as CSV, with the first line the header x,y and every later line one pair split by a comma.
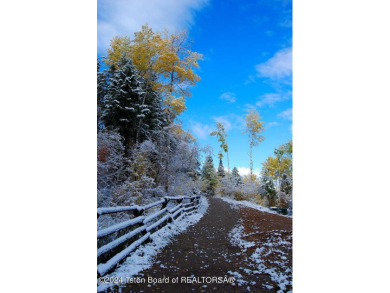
x,y
227,154
250,158
140,121
169,124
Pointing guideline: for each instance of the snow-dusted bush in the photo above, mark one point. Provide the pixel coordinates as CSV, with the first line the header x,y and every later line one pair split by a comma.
x,y
250,188
110,153
142,191
182,185
110,168
227,187
238,190
181,163
141,161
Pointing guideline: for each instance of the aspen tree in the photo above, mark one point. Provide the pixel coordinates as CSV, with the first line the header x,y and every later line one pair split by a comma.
x,y
222,138
254,128
119,48
169,57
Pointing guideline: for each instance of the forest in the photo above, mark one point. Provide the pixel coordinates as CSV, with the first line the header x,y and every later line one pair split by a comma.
x,y
143,151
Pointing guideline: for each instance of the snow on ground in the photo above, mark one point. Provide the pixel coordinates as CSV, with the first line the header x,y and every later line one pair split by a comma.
x,y
235,236
268,258
238,277
249,204
280,272
142,258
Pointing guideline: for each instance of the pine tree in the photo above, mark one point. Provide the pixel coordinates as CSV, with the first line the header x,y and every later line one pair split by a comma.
x,y
221,170
285,189
152,117
236,176
131,105
101,92
195,173
121,100
267,190
209,176
286,184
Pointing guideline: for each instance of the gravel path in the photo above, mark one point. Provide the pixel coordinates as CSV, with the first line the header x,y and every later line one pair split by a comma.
x,y
205,250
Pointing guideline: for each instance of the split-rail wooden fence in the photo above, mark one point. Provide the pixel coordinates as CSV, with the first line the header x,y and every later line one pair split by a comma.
x,y
115,243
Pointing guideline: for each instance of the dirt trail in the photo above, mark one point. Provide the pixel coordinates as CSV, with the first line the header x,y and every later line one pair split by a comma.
x,y
204,250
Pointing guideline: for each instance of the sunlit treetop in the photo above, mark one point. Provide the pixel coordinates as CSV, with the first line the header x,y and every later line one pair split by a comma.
x,y
254,127
163,59
222,135
119,48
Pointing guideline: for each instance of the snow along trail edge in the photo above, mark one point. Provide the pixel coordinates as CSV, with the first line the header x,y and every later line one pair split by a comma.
x,y
142,258
272,254
248,204
213,248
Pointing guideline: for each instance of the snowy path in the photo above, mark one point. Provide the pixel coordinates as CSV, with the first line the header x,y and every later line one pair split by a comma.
x,y
252,246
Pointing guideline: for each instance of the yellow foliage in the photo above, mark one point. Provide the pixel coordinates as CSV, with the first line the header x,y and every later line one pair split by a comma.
x,y
275,167
247,178
119,47
145,49
175,106
188,137
259,200
239,195
163,59
168,56
254,126
271,166
142,166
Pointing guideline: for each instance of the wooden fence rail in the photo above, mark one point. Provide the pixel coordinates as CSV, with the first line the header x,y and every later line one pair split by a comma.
x,y
115,243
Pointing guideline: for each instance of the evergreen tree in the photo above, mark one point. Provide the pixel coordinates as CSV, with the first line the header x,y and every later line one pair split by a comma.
x,y
101,92
195,173
124,91
267,190
236,176
221,170
286,184
285,189
209,176
131,105
152,117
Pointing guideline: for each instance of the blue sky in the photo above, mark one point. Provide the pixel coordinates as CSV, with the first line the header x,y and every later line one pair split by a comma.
x,y
247,48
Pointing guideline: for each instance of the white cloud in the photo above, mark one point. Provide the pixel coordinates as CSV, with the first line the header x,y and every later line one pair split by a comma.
x,y
200,130
225,121
251,79
118,18
248,107
277,67
231,121
286,22
270,124
287,114
269,99
228,96
246,171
